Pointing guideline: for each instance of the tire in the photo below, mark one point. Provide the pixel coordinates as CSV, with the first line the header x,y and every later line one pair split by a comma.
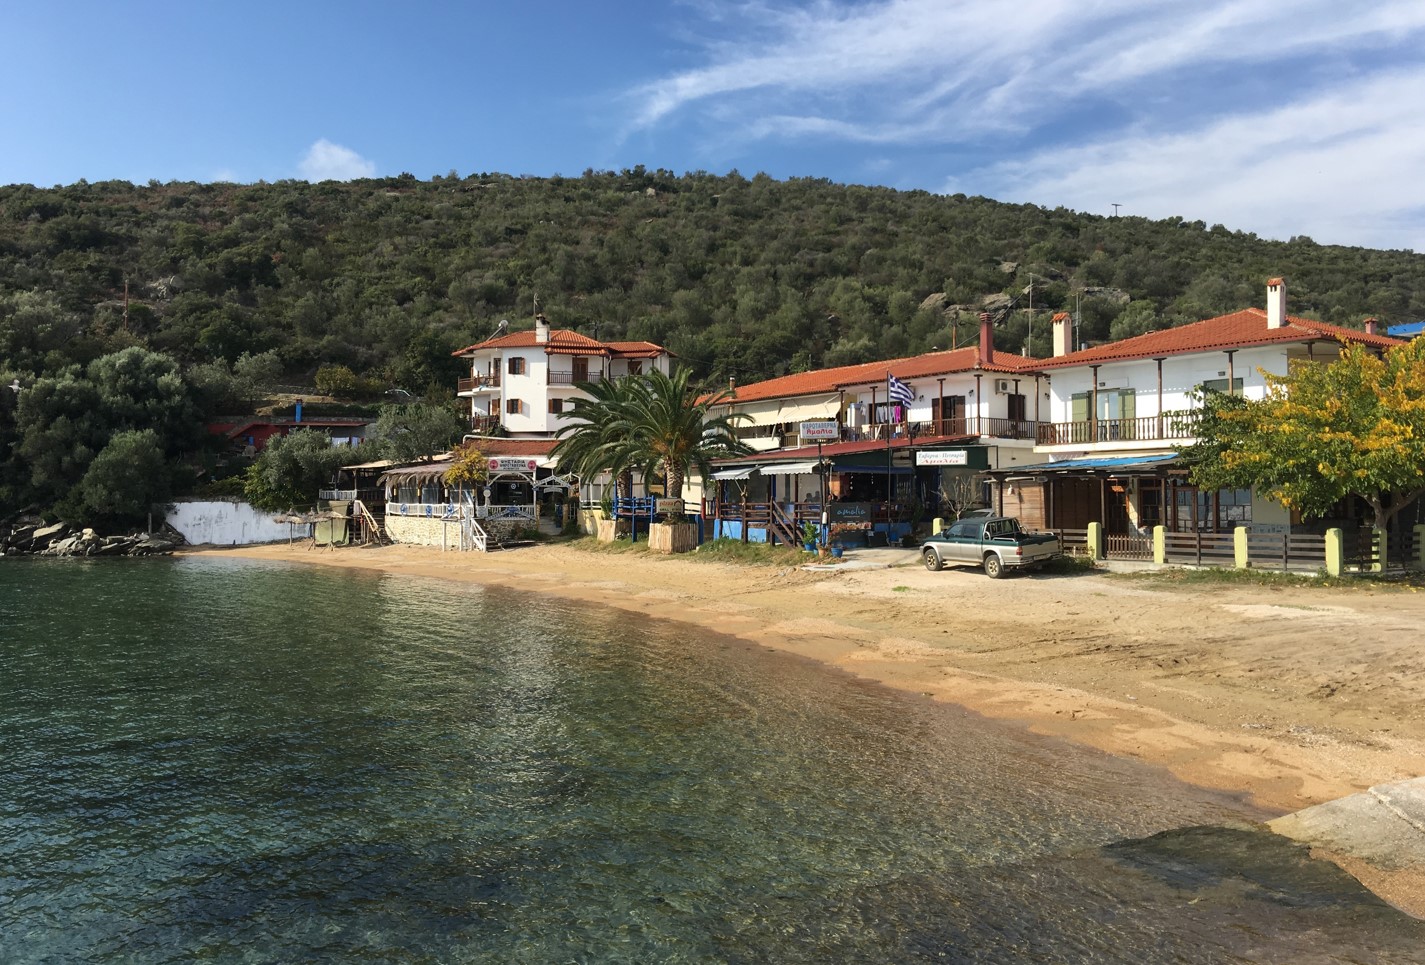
x,y
932,559
994,566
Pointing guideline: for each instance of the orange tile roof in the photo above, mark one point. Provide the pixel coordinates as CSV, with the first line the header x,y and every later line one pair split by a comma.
x,y
564,342
514,447
1244,329
913,367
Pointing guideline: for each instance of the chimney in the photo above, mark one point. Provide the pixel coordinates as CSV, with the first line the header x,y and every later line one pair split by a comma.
x,y
987,340
1276,303
541,329
1063,333
1372,326
731,385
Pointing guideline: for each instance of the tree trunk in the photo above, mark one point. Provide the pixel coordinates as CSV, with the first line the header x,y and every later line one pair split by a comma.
x,y
673,484
625,484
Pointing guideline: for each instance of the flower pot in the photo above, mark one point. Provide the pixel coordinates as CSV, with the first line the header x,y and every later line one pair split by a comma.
x,y
836,552
809,547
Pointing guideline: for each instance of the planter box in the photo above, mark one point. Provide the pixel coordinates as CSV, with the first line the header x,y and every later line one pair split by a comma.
x,y
612,529
673,537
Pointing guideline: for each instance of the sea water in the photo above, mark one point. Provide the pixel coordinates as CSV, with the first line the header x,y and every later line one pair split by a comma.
x,y
207,759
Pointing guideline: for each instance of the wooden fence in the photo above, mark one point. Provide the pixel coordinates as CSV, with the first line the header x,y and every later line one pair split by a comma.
x,y
1199,549
1288,552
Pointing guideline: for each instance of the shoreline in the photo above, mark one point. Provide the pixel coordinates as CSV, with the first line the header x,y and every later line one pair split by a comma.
x,y
1287,697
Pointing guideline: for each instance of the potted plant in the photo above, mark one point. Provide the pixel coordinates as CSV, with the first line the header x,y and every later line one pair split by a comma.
x,y
811,535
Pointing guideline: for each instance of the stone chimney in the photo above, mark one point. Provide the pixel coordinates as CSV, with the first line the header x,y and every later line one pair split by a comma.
x,y
1372,326
1276,303
1063,333
987,340
541,329
731,385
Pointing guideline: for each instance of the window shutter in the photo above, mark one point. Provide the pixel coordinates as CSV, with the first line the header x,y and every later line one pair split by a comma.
x,y
1079,407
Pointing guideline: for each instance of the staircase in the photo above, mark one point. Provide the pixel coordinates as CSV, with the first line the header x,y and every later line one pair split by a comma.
x,y
783,526
371,524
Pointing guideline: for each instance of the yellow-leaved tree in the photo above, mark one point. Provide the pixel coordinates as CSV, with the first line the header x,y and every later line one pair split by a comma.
x,y
1351,427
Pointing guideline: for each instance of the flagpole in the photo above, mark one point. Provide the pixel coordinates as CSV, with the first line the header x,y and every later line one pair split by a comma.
x,y
889,454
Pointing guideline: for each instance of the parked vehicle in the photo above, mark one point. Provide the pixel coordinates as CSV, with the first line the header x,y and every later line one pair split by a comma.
x,y
993,542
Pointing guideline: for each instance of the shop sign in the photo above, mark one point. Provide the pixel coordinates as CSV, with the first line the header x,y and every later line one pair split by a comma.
x,y
820,430
513,464
668,506
942,457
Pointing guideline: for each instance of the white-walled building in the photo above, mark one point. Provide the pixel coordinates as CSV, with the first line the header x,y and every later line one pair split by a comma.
x,y
520,383
1118,412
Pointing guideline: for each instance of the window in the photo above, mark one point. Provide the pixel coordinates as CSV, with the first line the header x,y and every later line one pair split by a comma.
x,y
1220,385
635,366
512,406
556,406
516,365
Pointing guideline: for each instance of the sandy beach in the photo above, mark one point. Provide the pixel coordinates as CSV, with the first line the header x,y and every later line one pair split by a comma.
x,y
1288,696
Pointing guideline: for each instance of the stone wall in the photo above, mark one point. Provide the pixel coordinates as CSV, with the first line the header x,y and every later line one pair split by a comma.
x,y
423,531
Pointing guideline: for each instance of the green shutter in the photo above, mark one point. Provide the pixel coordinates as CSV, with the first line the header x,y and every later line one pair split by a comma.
x,y
1079,407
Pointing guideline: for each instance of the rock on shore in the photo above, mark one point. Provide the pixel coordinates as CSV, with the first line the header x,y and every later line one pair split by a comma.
x,y
30,535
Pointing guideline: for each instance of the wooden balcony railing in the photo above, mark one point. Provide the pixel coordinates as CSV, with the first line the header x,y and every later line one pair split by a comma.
x,y
971,426
482,425
478,383
1152,428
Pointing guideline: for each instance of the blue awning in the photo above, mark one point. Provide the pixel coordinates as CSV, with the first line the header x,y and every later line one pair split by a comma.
x,y
1157,460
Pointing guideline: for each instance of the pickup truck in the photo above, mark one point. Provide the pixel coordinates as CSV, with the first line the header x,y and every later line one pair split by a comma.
x,y
994,542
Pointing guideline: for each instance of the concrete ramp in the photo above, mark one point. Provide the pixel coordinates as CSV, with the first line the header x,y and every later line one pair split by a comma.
x,y
1378,836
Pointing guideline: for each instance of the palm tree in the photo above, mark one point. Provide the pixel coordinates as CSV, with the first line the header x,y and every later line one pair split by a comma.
x,y
668,426
588,445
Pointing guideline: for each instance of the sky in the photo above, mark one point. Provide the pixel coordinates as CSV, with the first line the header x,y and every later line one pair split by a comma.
x,y
1279,117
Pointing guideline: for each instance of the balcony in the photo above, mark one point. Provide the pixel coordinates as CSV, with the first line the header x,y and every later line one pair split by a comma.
x,y
1170,426
971,426
569,378
479,383
485,425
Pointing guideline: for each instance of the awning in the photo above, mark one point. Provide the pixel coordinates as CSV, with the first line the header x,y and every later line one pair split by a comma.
x,y
1109,464
735,473
789,468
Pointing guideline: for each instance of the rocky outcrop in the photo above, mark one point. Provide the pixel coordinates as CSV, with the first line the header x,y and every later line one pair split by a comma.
x,y
30,535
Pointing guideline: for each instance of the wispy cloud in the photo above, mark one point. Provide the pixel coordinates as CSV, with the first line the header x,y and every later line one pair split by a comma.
x,y
1114,92
325,161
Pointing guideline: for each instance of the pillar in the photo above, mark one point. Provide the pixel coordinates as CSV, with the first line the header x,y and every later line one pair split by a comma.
x,y
1335,552
1239,547
1094,541
1160,545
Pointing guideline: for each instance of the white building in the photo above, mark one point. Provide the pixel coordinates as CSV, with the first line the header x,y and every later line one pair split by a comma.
x,y
521,382
1118,412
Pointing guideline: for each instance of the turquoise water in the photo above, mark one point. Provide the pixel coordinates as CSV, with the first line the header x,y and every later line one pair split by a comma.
x,y
218,760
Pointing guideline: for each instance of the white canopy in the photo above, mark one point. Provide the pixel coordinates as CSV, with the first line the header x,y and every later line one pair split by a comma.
x,y
735,473
789,468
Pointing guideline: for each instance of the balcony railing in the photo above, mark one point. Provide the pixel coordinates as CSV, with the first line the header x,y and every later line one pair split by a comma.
x,y
484,425
970,426
478,383
568,378
1152,428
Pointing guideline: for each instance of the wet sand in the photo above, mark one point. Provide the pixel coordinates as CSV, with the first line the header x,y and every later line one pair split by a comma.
x,y
1288,696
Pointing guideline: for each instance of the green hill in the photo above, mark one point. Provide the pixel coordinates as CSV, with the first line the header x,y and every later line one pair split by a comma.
x,y
742,277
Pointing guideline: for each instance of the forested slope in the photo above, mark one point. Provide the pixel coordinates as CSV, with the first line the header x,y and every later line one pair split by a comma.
x,y
738,276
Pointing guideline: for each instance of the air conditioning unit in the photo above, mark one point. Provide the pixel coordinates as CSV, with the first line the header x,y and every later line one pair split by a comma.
x,y
1002,387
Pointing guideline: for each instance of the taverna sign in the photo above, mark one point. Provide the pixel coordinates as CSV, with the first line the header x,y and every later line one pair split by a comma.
x,y
513,464
820,431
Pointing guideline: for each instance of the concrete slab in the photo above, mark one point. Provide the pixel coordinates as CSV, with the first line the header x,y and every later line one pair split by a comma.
x,y
1384,826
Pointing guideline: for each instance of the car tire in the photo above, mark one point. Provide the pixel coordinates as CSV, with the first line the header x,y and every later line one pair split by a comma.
x,y
933,563
994,566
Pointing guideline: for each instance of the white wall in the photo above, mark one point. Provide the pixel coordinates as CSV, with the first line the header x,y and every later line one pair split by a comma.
x,y
1182,374
228,523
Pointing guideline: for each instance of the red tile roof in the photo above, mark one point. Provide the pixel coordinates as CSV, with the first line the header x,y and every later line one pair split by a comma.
x,y
1244,329
843,449
515,447
914,367
564,342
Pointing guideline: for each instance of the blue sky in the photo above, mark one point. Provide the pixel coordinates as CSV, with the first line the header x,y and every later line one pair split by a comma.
x,y
1292,117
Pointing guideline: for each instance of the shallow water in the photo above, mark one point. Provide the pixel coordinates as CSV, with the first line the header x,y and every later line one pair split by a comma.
x,y
230,761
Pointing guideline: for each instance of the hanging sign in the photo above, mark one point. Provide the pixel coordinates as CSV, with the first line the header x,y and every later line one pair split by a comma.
x,y
513,464
942,457
668,506
820,430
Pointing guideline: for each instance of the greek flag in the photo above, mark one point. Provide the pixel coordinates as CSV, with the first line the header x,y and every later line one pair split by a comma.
x,y
898,391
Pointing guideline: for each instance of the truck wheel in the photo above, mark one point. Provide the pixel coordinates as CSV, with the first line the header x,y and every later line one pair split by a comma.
x,y
994,568
932,561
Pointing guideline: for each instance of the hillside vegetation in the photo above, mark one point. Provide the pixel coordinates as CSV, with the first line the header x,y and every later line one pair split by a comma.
x,y
739,277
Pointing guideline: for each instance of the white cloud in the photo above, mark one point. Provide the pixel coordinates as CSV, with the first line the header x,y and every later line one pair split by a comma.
x,y
1341,167
1166,103
325,161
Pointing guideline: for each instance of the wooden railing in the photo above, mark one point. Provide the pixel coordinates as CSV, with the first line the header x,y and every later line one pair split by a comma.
x,y
568,378
478,382
484,424
970,426
1287,552
1126,546
1151,428
1199,549
1072,541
